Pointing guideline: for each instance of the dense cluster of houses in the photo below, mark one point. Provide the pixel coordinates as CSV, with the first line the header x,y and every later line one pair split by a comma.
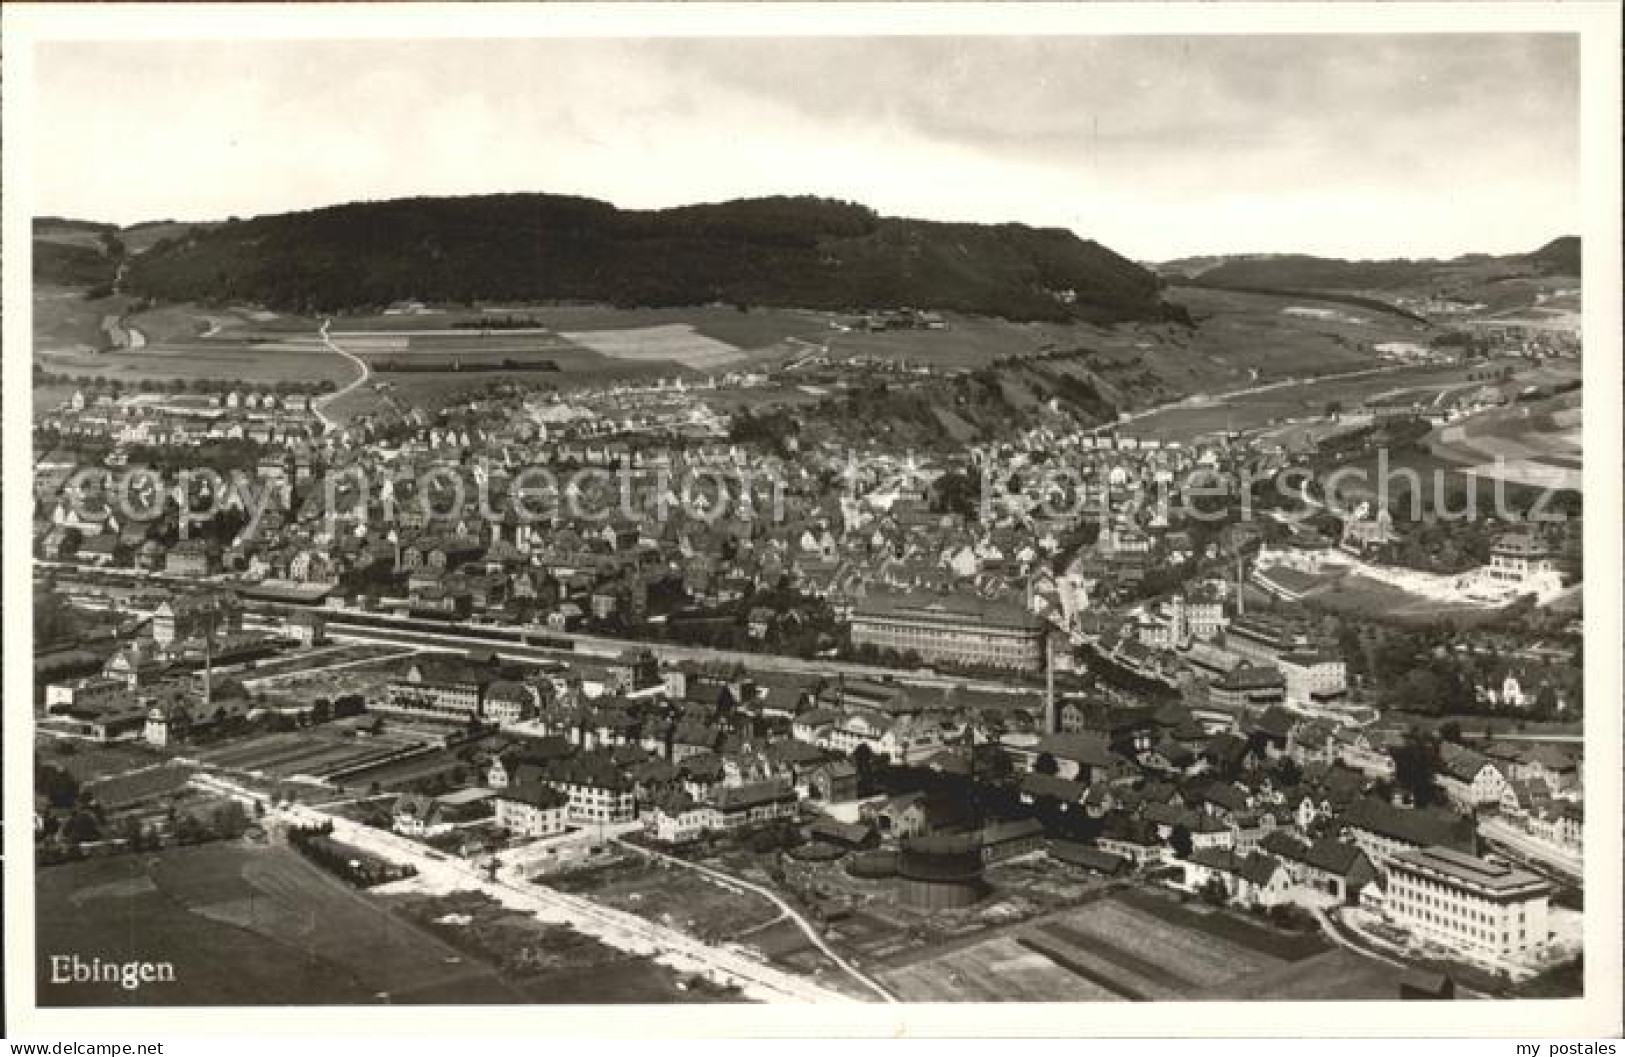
x,y
1274,809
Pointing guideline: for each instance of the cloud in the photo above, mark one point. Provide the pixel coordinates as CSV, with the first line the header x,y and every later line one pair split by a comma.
x,y
1157,146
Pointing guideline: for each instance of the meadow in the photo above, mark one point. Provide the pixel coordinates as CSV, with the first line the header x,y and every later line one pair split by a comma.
x,y
242,925
247,924
1133,946
1247,411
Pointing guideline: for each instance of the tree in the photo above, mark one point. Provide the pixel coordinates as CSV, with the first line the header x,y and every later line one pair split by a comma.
x,y
81,827
1046,764
863,758
57,785
1421,690
1416,766
1214,892
1180,841
1451,732
230,821
1287,773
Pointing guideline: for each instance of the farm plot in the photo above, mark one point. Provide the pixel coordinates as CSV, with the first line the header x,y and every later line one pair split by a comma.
x,y
998,970
1335,975
127,789
676,342
243,926
1531,474
1190,958
674,896
1250,942
1113,968
218,361
547,963
87,763
307,753
397,774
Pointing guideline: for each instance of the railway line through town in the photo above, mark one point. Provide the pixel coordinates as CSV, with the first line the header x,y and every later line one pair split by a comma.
x,y
525,642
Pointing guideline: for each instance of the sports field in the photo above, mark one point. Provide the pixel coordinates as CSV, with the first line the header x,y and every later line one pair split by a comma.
x,y
315,753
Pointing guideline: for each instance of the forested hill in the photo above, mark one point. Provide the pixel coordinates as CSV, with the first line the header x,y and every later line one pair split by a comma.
x,y
804,252
1295,271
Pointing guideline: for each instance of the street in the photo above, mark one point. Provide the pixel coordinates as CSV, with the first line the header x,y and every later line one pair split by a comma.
x,y
617,929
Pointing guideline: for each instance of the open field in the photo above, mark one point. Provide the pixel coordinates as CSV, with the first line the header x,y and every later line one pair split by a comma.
x,y
546,963
1416,483
1333,976
142,237
87,762
400,774
180,342
1246,411
674,896
1537,445
673,342
969,342
1355,594
213,360
243,925
65,321
757,328
998,970
1133,946
315,753
123,790
1288,335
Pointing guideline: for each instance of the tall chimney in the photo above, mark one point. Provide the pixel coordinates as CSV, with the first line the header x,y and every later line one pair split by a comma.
x,y
1241,595
208,663
1049,683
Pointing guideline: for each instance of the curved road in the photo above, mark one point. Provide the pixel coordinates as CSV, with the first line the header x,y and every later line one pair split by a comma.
x,y
321,402
789,911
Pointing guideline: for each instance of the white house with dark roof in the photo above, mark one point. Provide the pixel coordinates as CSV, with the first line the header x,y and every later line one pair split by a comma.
x,y
534,809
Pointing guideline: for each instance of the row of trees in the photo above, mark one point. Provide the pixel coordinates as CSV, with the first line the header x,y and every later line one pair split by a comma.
x,y
98,384
316,843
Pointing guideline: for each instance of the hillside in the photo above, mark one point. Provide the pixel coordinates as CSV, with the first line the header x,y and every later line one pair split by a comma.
x,y
1066,390
75,252
1301,272
800,252
1559,257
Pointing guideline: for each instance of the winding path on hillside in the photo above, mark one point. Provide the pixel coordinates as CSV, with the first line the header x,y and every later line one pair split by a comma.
x,y
321,403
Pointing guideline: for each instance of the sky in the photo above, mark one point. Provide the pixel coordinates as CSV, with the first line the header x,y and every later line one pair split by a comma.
x,y
1368,146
